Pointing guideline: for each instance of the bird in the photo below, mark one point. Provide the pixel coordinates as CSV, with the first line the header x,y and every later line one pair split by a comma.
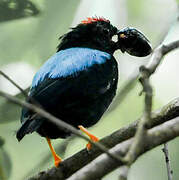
x,y
78,83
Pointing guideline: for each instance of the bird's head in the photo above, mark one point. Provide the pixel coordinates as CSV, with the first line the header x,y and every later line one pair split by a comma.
x,y
93,33
99,33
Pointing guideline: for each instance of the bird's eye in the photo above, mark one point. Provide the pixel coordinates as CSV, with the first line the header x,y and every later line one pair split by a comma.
x,y
106,31
122,36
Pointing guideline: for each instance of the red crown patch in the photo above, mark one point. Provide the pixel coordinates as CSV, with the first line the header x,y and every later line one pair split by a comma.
x,y
94,19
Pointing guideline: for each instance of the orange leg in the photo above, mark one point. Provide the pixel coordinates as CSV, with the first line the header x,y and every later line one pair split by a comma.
x,y
57,159
92,137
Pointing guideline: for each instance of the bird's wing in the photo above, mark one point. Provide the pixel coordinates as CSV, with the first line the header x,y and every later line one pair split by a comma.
x,y
69,62
65,80
68,70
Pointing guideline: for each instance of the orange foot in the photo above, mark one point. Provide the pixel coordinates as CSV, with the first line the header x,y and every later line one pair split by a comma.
x,y
57,158
92,137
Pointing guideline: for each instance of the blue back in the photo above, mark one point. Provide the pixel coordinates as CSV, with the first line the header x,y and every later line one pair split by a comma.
x,y
68,62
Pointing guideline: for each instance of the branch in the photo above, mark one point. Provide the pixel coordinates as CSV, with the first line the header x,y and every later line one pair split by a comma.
x,y
141,133
145,73
159,53
102,165
144,76
152,65
82,158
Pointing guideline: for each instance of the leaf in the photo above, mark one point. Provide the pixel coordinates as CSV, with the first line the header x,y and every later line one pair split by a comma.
x,y
16,9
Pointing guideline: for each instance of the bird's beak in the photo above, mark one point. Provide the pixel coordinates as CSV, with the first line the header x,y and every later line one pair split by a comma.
x,y
133,42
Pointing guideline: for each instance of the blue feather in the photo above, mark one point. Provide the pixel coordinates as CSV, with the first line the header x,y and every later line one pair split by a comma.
x,y
68,62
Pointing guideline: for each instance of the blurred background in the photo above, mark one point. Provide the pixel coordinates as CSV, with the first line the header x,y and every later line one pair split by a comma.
x,y
29,32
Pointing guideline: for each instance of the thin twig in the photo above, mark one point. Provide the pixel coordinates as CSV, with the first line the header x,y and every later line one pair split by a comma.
x,y
14,83
141,133
159,53
58,122
167,159
21,90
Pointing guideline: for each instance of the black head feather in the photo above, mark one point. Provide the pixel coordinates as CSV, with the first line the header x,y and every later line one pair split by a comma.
x,y
94,34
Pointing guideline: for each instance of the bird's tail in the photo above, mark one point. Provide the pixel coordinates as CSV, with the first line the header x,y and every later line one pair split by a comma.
x,y
29,126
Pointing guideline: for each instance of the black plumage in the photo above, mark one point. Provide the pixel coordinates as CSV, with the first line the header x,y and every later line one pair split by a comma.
x,y
81,98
